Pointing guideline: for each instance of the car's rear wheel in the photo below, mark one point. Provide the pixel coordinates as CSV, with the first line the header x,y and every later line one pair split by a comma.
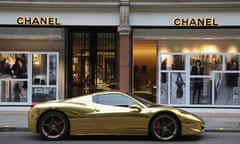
x,y
165,127
53,125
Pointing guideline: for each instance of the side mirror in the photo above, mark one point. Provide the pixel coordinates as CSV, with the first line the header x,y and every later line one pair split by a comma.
x,y
136,108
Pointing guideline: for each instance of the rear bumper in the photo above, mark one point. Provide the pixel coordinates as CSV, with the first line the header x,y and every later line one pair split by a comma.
x,y
32,122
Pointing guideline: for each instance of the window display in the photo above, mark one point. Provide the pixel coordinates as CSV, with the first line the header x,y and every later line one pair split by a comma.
x,y
13,65
200,91
172,62
13,91
164,88
52,69
207,62
226,82
173,77
197,83
13,77
178,88
15,82
205,79
44,77
39,69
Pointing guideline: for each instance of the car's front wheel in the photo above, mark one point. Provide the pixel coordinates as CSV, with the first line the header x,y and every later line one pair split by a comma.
x,y
165,127
53,125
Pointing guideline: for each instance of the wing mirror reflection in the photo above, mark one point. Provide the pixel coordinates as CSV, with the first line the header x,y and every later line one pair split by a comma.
x,y
136,108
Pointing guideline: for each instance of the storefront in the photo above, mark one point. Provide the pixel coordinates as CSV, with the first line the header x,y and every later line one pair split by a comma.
x,y
35,62
186,58
30,63
57,53
190,70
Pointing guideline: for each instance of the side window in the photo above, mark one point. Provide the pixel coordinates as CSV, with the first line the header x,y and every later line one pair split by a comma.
x,y
113,100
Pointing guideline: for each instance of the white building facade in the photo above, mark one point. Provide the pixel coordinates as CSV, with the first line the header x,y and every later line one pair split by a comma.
x,y
153,48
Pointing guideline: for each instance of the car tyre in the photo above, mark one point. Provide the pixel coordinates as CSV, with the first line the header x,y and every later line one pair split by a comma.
x,y
53,125
165,127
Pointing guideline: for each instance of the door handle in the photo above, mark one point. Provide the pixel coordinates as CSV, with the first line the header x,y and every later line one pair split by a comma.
x,y
97,110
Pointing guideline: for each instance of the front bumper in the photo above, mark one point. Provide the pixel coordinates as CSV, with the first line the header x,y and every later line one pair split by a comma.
x,y
192,125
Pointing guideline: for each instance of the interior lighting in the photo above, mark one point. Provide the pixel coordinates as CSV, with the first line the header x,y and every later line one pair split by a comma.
x,y
164,49
209,48
232,49
186,50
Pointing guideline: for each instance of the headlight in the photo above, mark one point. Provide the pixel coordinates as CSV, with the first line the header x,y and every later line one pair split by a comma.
x,y
192,115
184,112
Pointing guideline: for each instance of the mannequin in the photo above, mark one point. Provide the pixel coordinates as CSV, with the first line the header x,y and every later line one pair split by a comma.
x,y
232,78
179,82
197,82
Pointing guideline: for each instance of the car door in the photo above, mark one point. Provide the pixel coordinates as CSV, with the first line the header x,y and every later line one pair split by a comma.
x,y
114,116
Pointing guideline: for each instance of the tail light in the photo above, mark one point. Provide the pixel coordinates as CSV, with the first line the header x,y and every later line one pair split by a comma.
x,y
34,104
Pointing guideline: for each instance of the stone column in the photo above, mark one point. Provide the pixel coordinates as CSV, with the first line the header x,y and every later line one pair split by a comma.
x,y
125,52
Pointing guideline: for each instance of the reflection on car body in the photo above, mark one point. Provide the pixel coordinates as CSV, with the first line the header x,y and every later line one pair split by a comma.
x,y
42,97
111,113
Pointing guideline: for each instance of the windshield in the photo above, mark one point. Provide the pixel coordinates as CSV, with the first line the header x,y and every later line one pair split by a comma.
x,y
142,100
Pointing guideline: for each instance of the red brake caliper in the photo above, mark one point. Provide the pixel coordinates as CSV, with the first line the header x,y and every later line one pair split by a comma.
x,y
157,127
60,127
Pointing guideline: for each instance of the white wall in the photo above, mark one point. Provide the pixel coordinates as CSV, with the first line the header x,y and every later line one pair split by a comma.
x,y
165,17
80,16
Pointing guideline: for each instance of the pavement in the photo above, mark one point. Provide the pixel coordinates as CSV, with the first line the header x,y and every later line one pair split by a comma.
x,y
226,122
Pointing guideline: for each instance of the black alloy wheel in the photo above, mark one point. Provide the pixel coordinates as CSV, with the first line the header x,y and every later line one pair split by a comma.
x,y
165,127
53,125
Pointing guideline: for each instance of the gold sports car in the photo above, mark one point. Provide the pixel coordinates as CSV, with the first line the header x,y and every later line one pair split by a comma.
x,y
111,113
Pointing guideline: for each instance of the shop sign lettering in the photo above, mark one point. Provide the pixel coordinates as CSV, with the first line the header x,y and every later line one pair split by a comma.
x,y
195,22
38,21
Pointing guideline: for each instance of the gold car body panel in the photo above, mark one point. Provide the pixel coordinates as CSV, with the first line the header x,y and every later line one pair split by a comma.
x,y
121,120
88,118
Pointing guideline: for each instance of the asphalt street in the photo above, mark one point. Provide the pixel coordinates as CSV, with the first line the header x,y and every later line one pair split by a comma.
x,y
205,138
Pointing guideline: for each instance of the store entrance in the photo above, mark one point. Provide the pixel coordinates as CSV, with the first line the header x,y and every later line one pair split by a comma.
x,y
92,66
145,66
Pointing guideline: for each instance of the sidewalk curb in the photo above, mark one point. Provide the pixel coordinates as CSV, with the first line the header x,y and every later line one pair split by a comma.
x,y
12,129
222,130
22,129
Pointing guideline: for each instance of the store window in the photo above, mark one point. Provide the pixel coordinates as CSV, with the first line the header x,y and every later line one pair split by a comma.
x,y
226,81
15,76
44,76
207,79
173,78
29,64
